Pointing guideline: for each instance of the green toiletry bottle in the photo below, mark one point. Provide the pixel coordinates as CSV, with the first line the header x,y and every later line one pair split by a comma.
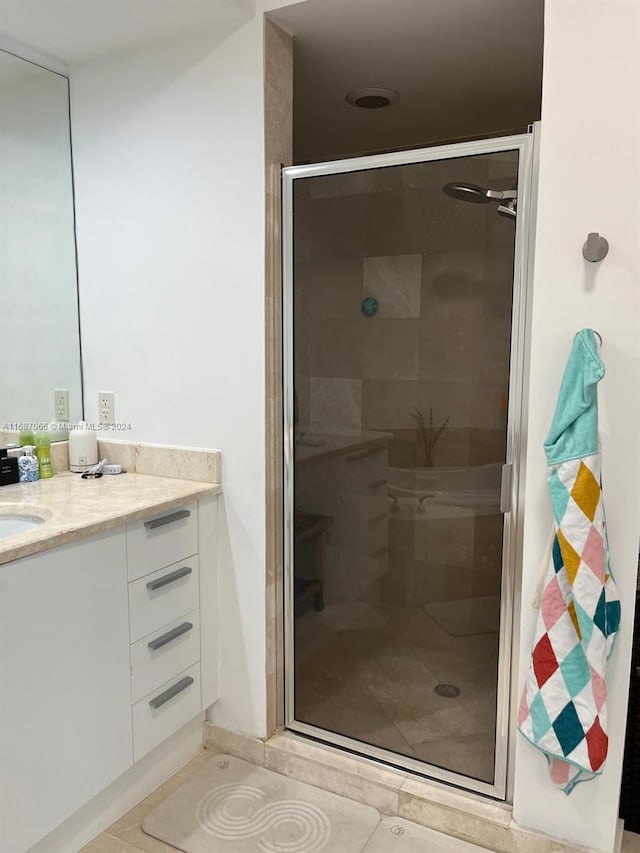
x,y
43,452
26,438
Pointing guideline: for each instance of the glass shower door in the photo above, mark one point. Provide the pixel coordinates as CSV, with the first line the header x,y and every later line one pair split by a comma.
x,y
403,309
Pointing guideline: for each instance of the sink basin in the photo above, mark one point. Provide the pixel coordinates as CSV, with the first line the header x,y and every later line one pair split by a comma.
x,y
14,522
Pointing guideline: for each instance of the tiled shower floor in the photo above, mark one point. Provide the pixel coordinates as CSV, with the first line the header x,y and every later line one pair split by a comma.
x,y
369,672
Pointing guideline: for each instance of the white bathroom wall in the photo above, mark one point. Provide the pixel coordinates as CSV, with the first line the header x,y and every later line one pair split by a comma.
x,y
589,181
168,150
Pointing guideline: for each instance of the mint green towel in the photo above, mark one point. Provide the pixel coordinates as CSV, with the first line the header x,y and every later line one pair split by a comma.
x,y
574,429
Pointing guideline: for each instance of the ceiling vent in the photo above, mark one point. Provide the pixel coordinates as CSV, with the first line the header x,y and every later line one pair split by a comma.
x,y
372,98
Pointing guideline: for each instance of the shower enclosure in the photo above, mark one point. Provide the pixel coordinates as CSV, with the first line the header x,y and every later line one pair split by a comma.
x,y
404,318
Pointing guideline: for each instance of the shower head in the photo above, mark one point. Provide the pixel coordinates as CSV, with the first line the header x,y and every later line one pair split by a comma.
x,y
468,192
481,195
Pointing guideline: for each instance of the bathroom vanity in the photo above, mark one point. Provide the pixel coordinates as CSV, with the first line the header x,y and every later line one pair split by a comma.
x,y
344,479
108,639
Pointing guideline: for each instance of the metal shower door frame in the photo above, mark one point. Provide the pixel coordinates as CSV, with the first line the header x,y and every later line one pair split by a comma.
x,y
515,452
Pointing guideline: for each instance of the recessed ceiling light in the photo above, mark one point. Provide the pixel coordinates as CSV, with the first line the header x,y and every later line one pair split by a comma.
x,y
372,98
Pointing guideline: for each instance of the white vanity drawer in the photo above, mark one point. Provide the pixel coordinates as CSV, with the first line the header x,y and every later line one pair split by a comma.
x,y
158,657
164,711
162,597
161,540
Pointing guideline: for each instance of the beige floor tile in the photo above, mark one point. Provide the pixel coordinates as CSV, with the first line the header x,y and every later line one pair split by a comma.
x,y
395,673
356,714
375,683
107,843
482,707
472,756
397,618
418,697
396,835
630,842
341,701
134,836
128,828
388,736
417,724
476,679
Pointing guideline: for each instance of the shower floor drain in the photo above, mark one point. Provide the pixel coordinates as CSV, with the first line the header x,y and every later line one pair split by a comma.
x,y
449,691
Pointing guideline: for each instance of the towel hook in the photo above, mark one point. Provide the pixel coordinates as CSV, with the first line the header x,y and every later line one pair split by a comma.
x,y
596,248
598,336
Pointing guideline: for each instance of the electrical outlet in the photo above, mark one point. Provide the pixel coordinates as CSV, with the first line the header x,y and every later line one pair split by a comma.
x,y
61,405
106,412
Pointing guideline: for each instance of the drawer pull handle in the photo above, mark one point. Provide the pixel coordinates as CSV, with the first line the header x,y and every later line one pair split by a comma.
x,y
170,578
178,687
173,634
167,519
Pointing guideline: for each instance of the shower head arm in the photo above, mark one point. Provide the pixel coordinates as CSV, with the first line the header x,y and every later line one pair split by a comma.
x,y
502,195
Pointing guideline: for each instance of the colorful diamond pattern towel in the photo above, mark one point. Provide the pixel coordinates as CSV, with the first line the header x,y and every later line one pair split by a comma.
x,y
563,710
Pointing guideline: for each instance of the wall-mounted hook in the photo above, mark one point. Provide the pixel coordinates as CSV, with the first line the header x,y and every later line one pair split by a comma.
x,y
596,248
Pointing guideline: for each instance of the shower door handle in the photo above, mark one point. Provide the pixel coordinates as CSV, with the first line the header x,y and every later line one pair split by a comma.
x,y
505,488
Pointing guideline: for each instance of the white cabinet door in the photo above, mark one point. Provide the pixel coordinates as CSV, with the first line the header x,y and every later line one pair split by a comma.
x,y
65,706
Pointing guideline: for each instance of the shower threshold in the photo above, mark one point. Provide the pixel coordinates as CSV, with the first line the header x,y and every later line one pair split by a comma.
x,y
392,791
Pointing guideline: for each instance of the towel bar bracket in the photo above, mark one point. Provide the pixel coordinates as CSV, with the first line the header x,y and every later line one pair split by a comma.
x,y
596,248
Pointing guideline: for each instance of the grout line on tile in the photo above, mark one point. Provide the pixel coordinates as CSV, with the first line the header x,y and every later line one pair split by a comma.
x,y
375,829
134,848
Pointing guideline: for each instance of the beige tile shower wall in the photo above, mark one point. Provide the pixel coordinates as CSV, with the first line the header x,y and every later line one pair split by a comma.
x,y
455,447
278,47
442,273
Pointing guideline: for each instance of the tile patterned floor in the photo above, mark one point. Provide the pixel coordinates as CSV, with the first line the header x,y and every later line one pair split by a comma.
x,y
372,677
126,835
630,843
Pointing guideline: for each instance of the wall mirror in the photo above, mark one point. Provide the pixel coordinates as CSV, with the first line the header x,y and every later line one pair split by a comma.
x,y
39,330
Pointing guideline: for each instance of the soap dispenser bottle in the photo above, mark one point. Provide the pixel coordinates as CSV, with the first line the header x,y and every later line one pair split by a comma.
x,y
43,452
28,466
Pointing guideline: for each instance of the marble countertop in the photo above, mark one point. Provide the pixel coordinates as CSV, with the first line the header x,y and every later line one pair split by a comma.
x,y
312,446
74,508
